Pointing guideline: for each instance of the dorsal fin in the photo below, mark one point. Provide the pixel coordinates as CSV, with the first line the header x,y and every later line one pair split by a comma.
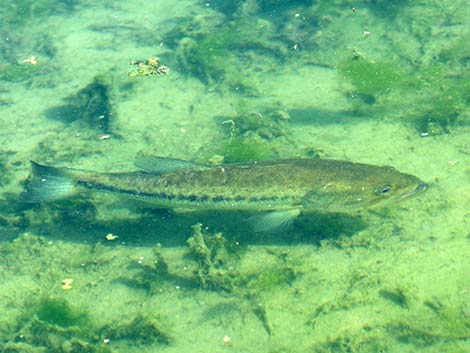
x,y
162,165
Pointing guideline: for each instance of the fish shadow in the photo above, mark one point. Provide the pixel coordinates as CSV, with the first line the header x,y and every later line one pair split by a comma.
x,y
173,230
79,221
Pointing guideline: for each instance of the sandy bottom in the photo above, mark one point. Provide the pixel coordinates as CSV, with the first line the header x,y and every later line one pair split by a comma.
x,y
395,280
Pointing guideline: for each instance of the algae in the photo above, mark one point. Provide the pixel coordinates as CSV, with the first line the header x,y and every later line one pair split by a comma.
x,y
225,53
370,78
387,9
18,72
251,136
91,107
282,273
245,149
396,296
268,124
144,329
156,277
443,101
5,172
433,97
218,269
53,325
60,215
57,311
215,259
19,12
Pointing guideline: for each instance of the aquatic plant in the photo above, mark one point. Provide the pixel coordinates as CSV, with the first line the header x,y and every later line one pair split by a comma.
x,y
370,78
61,214
17,72
156,276
215,260
387,9
52,324
91,106
267,124
144,329
429,97
244,149
275,5
4,173
442,100
57,311
282,273
250,135
228,7
19,12
226,53
273,277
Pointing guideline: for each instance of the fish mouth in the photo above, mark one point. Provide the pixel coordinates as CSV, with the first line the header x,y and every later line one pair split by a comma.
x,y
422,186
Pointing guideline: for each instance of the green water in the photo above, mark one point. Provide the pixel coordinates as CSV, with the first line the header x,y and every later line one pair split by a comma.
x,y
379,82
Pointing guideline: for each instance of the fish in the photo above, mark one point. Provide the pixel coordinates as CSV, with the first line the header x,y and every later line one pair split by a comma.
x,y
279,189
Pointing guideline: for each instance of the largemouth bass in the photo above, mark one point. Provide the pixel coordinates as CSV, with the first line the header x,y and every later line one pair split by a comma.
x,y
285,187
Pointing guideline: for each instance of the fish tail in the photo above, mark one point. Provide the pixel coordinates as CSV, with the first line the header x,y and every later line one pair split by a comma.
x,y
49,183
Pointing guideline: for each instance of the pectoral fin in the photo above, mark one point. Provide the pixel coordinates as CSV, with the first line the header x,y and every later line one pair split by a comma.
x,y
275,221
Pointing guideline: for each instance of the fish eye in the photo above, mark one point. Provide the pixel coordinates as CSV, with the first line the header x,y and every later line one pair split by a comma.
x,y
383,190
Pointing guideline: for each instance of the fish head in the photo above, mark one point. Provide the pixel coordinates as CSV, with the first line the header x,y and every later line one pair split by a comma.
x,y
365,187
397,187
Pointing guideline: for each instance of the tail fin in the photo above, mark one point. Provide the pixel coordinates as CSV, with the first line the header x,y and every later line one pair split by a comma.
x,y
48,184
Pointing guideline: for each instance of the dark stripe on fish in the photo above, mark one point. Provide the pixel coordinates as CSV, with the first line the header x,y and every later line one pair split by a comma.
x,y
182,198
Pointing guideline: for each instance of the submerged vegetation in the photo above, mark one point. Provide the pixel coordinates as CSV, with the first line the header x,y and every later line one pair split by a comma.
x,y
21,11
370,78
215,259
91,107
228,55
243,149
57,311
19,71
252,135
433,97
53,324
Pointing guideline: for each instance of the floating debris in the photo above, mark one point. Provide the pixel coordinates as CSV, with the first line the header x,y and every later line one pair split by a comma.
x,y
31,60
111,236
67,283
104,137
148,67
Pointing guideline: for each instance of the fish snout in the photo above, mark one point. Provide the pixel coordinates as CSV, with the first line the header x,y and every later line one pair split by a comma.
x,y
421,187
